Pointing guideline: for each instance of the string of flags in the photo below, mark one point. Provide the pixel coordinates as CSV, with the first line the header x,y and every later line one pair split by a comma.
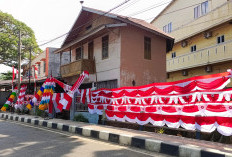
x,y
60,101
46,96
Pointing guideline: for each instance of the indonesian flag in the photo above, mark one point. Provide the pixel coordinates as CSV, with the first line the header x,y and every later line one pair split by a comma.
x,y
55,99
66,102
85,94
13,75
36,72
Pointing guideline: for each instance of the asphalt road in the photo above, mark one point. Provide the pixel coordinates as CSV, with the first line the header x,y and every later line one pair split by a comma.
x,y
20,140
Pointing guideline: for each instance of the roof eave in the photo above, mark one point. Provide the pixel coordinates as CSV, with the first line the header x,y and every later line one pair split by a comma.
x,y
145,28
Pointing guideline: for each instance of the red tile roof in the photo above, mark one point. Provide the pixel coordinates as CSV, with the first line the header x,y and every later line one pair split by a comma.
x,y
139,22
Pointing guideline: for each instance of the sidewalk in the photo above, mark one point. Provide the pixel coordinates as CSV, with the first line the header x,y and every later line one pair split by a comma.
x,y
167,144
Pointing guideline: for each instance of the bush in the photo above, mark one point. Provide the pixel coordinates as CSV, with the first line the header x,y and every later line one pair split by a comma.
x,y
18,111
159,130
39,112
80,118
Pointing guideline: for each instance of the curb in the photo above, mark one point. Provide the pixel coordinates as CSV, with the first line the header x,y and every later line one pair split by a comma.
x,y
122,139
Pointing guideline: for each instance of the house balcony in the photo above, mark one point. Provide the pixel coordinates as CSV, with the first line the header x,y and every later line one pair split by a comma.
x,y
77,67
210,55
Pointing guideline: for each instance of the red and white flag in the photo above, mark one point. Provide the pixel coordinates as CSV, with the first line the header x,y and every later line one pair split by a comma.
x,y
55,99
85,95
20,100
67,100
13,75
36,72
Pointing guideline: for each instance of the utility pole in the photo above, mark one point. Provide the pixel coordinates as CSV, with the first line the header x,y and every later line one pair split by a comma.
x,y
19,62
30,72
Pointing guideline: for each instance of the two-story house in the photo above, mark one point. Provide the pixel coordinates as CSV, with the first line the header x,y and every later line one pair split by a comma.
x,y
116,50
203,35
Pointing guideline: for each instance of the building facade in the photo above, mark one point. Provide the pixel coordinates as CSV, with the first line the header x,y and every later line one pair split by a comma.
x,y
117,51
203,37
46,64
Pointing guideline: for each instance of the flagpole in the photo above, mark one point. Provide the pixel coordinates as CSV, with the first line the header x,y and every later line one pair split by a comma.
x,y
13,76
34,110
19,61
30,72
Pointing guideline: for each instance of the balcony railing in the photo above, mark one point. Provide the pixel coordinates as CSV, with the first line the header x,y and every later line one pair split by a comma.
x,y
214,54
77,67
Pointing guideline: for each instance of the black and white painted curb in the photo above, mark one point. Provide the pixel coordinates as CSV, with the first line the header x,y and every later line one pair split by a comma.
x,y
127,140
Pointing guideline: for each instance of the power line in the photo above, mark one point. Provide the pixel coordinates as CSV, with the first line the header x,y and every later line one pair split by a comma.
x,y
133,14
175,10
149,8
126,6
72,35
126,1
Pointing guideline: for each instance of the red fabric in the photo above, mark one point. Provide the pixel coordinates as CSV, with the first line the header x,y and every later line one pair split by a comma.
x,y
60,106
194,103
13,75
83,96
69,99
79,81
50,107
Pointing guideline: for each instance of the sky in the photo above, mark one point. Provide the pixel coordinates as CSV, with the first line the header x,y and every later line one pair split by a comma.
x,y
52,18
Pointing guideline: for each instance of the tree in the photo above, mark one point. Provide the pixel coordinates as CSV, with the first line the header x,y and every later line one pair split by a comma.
x,y
6,76
9,32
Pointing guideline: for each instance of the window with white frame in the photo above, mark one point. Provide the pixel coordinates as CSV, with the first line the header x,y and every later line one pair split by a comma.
x,y
173,54
201,9
197,12
220,39
204,8
165,28
168,28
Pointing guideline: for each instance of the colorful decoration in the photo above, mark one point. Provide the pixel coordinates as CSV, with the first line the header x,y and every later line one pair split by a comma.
x,y
10,100
85,94
59,101
62,85
195,103
65,103
37,97
47,94
56,99
20,101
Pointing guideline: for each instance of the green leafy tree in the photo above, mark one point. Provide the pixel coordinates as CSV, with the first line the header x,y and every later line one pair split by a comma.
x,y
9,37
6,76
